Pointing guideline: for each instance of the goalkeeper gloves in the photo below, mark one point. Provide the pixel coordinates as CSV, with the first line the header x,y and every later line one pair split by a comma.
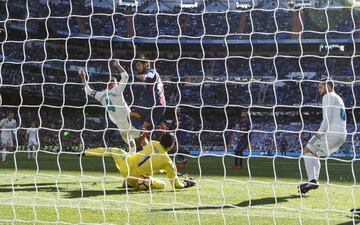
x,y
189,182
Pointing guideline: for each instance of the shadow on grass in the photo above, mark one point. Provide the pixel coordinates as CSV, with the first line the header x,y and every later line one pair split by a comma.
x,y
30,187
254,202
69,193
94,193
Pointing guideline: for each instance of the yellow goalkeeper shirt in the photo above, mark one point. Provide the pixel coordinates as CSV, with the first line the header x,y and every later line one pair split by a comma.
x,y
150,161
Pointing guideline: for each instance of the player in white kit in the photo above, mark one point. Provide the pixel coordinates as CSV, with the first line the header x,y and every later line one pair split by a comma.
x,y
330,136
8,129
31,136
116,106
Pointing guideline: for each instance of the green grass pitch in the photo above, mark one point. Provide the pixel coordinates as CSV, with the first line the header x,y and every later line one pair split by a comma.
x,y
58,189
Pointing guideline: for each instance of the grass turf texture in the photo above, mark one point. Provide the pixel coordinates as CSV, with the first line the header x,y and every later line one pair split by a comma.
x,y
59,189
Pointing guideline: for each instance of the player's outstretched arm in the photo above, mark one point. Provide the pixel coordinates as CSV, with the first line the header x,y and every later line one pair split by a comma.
x,y
171,173
124,76
82,76
88,90
116,64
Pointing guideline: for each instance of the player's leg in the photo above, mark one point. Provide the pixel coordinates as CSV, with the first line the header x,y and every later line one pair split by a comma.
x,y
241,159
29,151
326,145
312,166
237,158
331,143
7,147
4,147
35,150
120,159
118,155
138,183
152,117
3,152
158,184
100,152
129,137
244,144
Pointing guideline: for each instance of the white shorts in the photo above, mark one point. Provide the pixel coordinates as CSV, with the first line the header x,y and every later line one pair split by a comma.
x,y
7,141
127,131
32,142
326,145
130,134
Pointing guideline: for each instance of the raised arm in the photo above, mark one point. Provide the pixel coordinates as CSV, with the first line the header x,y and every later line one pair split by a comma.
x,y
124,75
88,90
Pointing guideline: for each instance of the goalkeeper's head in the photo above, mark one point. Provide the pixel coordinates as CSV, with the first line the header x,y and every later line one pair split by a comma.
x,y
326,85
167,140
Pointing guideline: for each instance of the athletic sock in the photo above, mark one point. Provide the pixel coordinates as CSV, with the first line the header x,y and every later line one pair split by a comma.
x,y
309,165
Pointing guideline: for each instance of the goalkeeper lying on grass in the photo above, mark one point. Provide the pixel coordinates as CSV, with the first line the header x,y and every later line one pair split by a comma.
x,y
145,163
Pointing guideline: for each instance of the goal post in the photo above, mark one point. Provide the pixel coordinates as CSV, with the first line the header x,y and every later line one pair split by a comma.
x,y
241,82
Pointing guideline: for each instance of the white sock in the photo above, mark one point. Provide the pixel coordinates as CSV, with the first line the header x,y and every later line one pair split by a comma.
x,y
3,155
317,167
309,165
132,149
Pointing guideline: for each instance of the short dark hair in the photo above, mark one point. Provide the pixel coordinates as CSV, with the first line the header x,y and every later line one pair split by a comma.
x,y
167,139
327,81
112,77
143,59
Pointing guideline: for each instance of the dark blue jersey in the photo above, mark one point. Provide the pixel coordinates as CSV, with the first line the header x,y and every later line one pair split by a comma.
x,y
244,127
154,89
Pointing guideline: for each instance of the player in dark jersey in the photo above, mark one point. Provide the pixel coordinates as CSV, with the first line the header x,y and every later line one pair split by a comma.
x,y
185,124
243,139
153,103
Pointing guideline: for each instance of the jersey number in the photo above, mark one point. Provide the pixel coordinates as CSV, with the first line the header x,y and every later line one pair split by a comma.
x,y
342,114
110,107
146,158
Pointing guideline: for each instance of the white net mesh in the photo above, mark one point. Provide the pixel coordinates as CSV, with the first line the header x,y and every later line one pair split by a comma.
x,y
218,60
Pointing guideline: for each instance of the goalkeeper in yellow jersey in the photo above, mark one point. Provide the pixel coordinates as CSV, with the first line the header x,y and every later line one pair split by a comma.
x,y
147,162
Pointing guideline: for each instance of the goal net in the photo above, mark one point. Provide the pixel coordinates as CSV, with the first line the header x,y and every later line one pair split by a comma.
x,y
241,81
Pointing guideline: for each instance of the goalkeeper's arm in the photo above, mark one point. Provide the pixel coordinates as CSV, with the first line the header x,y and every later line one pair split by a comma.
x,y
174,179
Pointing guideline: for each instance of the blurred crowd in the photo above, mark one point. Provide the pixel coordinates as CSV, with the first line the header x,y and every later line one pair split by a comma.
x,y
69,129
146,21
45,67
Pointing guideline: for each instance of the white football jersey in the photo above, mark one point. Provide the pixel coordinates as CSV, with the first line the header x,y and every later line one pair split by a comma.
x,y
9,125
334,115
114,102
32,133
